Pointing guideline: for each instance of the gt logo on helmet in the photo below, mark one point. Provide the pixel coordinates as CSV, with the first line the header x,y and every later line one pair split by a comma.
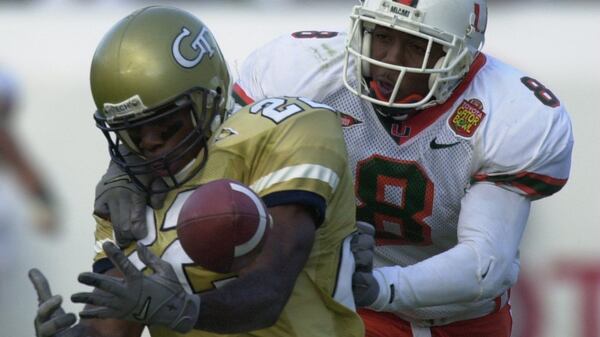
x,y
200,45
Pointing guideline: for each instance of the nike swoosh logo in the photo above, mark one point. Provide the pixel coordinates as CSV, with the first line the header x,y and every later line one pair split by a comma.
x,y
437,146
144,311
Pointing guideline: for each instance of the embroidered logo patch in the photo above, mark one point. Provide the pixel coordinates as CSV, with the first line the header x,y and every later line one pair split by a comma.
x,y
467,118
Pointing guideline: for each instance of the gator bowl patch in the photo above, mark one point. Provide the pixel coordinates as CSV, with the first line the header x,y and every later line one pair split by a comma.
x,y
467,118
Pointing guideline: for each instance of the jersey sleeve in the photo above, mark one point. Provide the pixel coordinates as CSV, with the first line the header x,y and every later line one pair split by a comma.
x,y
526,147
310,156
288,151
292,65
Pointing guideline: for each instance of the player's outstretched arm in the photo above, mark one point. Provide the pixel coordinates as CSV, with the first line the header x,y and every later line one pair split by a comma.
x,y
482,266
253,301
257,297
52,321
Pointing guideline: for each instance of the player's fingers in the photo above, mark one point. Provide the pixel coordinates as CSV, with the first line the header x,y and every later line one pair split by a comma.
x,y
122,207
40,283
49,307
365,228
137,216
122,238
96,299
119,210
364,261
101,209
97,312
56,325
157,199
153,261
364,288
362,246
120,260
362,242
109,284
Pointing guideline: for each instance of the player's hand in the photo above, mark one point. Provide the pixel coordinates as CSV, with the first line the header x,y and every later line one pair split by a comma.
x,y
362,245
51,320
124,203
364,286
156,299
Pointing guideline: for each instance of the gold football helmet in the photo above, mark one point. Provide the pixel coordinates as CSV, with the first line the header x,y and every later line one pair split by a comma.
x,y
152,64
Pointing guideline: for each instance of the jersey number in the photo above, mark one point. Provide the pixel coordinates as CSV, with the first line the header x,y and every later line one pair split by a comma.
x,y
279,109
541,92
396,197
182,264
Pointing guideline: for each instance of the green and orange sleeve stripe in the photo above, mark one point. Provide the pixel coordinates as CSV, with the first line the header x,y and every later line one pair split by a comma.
x,y
240,96
532,184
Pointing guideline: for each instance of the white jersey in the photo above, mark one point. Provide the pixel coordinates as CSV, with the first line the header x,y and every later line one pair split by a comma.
x,y
499,127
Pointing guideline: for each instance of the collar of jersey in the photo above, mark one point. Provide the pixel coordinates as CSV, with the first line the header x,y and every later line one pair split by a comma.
x,y
423,119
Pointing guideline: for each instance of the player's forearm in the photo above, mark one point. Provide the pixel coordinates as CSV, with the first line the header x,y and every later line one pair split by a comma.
x,y
105,328
253,304
481,266
451,277
256,299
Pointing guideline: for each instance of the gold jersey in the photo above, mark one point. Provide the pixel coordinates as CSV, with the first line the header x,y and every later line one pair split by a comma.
x,y
287,150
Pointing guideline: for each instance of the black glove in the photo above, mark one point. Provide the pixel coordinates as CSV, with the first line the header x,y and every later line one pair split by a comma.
x,y
362,245
51,320
364,286
121,201
156,299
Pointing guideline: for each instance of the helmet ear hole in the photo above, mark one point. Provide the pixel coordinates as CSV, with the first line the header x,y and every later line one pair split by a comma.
x,y
433,77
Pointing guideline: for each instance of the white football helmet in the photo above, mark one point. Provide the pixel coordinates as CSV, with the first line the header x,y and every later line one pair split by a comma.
x,y
457,25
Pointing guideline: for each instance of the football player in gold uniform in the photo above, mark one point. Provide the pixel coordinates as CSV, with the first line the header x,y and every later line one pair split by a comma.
x,y
161,87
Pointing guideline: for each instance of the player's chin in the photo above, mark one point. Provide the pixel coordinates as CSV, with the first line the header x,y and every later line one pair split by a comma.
x,y
162,169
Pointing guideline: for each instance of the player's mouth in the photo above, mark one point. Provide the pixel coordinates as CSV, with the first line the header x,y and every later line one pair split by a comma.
x,y
382,89
167,168
386,88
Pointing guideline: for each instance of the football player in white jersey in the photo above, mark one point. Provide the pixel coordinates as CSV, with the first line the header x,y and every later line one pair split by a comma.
x,y
448,147
162,90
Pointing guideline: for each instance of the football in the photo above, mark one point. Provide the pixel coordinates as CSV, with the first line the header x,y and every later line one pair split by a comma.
x,y
223,225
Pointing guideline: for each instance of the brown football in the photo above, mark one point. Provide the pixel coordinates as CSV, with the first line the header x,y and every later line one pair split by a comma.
x,y
223,225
